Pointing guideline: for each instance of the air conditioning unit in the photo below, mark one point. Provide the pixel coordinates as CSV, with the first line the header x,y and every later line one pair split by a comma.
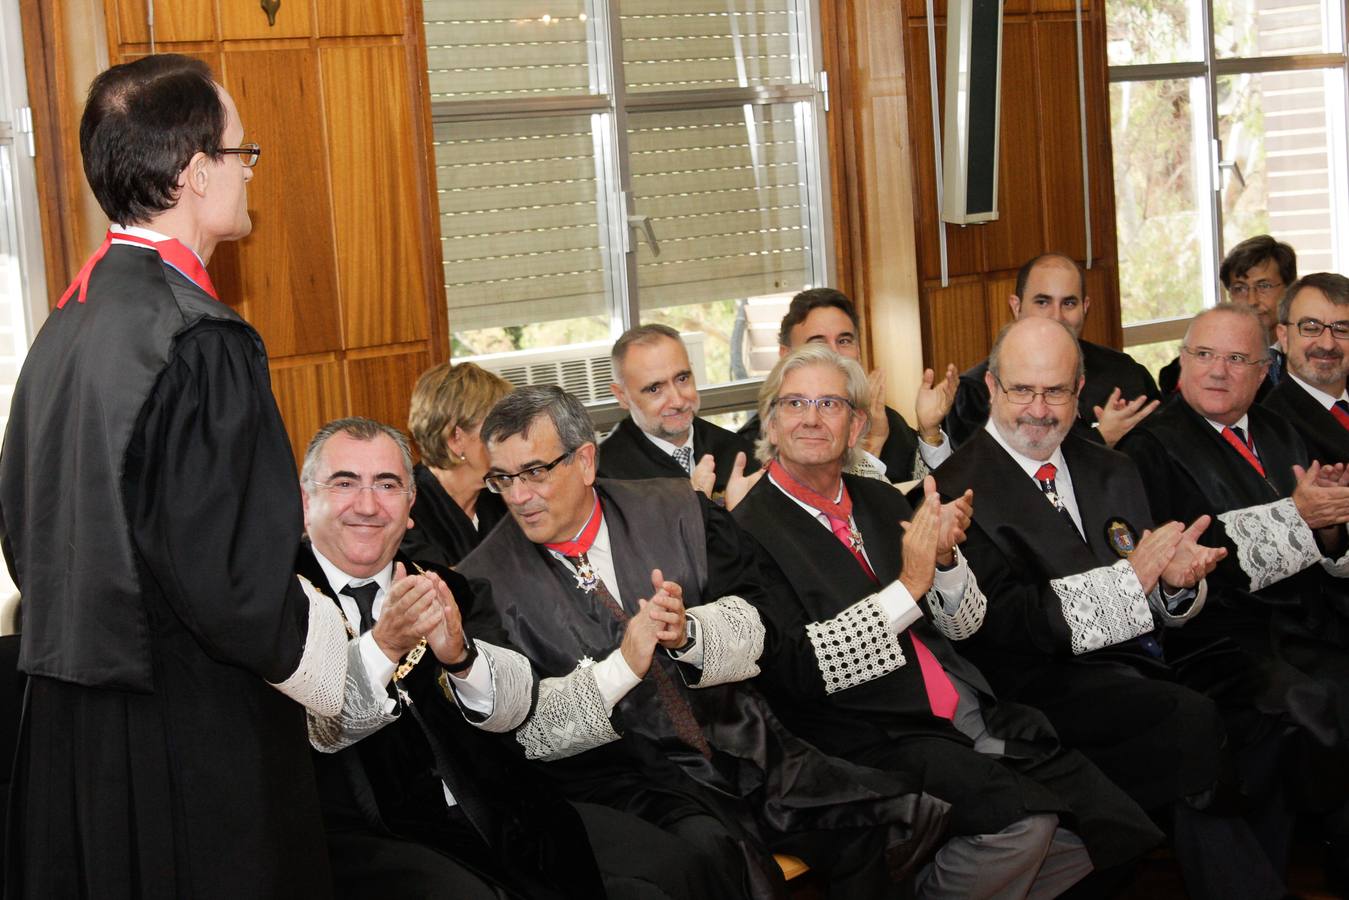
x,y
580,369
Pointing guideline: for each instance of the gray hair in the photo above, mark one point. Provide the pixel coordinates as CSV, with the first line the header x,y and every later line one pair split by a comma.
x,y
1232,309
516,412
360,428
642,334
1335,287
995,354
814,354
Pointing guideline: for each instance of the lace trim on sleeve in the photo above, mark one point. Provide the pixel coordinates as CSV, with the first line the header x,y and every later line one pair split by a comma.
x,y
863,467
1103,607
512,689
1337,567
1272,541
968,617
732,635
569,718
920,469
318,681
363,709
855,646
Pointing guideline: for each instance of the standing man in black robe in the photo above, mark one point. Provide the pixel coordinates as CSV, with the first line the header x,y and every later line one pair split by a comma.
x,y
1082,584
1118,393
891,448
1313,332
663,437
581,574
150,516
1280,595
1255,273
864,671
417,801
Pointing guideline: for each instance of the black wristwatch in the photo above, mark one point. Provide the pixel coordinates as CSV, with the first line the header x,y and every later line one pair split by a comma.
x,y
470,656
690,634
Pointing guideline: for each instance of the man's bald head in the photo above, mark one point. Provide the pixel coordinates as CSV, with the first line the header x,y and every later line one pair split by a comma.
x,y
1035,371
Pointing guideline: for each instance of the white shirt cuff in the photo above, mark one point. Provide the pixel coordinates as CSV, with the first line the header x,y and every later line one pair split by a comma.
x,y
474,689
934,456
614,678
899,606
378,669
950,584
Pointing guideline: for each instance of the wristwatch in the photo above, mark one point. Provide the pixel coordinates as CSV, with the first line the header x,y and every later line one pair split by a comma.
x,y
690,634
470,655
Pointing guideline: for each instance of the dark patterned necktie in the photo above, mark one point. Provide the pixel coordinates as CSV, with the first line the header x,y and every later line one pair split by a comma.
x,y
364,595
1242,444
1044,477
676,704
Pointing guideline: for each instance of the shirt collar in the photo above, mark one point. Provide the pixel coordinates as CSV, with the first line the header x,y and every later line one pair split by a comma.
x,y
665,446
1030,466
1243,423
337,579
1326,400
148,233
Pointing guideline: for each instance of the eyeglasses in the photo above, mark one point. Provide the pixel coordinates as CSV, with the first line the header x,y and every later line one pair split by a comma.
x,y
1263,288
248,154
1206,357
828,406
498,483
1312,328
1024,396
385,489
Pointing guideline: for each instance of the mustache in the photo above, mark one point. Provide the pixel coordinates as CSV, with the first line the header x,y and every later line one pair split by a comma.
x,y
1039,421
1322,353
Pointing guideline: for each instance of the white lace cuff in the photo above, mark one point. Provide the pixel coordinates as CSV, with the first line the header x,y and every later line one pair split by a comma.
x,y
318,681
569,718
365,707
1337,567
864,465
732,636
855,646
1103,607
1273,542
967,617
512,689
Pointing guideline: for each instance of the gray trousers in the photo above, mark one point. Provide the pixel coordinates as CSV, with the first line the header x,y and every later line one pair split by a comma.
x,y
1031,858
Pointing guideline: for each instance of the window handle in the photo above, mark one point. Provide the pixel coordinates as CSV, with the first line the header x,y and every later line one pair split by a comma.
x,y
1235,168
642,224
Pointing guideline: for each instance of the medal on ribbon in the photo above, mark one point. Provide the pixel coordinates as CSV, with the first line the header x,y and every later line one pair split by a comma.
x,y
586,579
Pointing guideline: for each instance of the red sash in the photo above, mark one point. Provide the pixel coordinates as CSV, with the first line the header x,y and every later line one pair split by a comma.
x,y
170,250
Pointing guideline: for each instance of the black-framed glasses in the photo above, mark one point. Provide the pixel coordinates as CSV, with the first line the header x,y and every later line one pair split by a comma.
x,y
1206,357
1263,288
248,154
1313,328
498,483
828,406
1024,396
384,489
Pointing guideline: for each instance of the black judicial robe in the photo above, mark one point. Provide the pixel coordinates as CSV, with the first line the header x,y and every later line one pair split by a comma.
x,y
1016,545
628,453
898,452
385,792
761,777
151,516
1169,377
1300,625
1326,439
1107,369
440,531
815,578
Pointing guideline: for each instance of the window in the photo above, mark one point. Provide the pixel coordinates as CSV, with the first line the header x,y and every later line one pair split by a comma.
x,y
598,169
1228,120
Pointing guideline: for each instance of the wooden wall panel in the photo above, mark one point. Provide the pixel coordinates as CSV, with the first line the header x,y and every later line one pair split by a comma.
x,y
245,19
1015,236
381,386
997,291
175,21
309,393
288,271
1101,327
373,149
955,324
1065,230
370,17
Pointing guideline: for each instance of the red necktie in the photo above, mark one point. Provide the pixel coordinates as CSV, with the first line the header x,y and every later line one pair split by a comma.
x,y
170,250
1237,438
1340,410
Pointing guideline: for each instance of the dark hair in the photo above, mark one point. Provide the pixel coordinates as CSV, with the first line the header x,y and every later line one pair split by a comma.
x,y
815,298
1335,287
142,123
642,334
515,414
1254,251
1023,274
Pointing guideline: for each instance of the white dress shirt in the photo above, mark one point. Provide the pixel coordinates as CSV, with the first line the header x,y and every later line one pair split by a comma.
x,y
1326,400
